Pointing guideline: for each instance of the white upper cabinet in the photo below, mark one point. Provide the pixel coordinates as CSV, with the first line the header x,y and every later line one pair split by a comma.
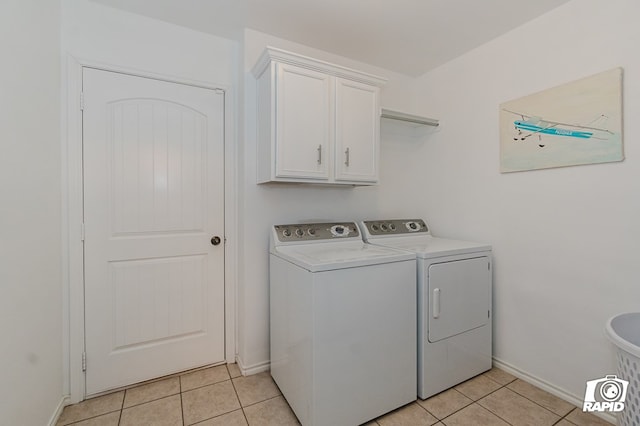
x,y
316,122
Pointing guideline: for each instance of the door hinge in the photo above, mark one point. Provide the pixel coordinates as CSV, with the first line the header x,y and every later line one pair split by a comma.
x,y
84,361
82,232
81,101
489,266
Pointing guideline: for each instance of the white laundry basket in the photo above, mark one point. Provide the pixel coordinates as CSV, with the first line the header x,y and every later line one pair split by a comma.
x,y
624,331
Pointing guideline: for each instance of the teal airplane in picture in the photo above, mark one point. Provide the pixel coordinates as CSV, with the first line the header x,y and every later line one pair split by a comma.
x,y
532,125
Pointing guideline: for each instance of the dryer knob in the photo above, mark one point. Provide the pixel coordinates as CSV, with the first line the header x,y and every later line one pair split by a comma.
x,y
413,226
339,231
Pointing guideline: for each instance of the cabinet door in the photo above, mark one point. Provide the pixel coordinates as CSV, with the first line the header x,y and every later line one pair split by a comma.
x,y
302,123
357,131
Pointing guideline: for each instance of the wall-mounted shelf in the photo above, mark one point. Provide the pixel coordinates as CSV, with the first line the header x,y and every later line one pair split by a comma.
x,y
410,118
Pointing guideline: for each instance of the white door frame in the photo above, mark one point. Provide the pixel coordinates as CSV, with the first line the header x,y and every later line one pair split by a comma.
x,y
72,214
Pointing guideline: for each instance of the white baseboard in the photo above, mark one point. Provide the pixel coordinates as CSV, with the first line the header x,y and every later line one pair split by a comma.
x,y
56,415
549,387
248,370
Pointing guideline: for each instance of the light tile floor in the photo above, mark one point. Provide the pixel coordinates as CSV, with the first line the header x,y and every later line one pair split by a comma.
x,y
220,396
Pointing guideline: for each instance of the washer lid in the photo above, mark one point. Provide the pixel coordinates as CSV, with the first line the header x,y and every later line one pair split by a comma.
x,y
427,247
331,256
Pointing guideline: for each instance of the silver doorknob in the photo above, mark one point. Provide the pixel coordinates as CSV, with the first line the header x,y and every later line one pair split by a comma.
x,y
215,240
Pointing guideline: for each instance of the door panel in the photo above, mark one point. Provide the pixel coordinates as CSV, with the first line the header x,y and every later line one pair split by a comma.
x,y
177,288
153,194
303,123
357,131
157,172
458,297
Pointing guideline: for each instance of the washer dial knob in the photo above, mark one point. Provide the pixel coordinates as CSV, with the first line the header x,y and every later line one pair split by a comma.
x,y
299,232
286,232
413,226
339,231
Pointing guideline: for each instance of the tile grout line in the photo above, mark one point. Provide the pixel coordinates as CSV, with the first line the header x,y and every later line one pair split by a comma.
x,y
461,393
180,393
204,386
151,400
122,408
528,399
531,400
238,397
265,400
495,414
476,402
181,400
92,417
562,417
567,415
124,397
420,405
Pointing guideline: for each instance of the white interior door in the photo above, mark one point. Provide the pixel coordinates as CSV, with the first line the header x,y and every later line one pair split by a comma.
x,y
153,201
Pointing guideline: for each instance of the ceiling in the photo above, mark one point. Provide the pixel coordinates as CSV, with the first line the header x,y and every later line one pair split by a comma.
x,y
406,36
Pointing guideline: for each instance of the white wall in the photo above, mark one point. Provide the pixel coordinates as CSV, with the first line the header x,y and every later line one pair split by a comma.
x,y
105,36
31,300
269,204
566,241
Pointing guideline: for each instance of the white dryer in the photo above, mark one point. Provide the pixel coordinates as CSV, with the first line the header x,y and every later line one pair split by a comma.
x,y
454,301
343,347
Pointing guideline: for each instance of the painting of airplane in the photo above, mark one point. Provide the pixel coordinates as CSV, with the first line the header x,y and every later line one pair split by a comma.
x,y
575,123
529,125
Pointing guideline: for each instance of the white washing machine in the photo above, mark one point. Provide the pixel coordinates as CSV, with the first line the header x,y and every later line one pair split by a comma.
x,y
454,301
343,347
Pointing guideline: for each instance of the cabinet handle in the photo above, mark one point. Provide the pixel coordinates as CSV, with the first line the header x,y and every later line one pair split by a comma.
x,y
346,153
319,154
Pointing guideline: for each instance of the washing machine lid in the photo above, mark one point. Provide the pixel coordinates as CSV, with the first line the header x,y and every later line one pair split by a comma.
x,y
341,255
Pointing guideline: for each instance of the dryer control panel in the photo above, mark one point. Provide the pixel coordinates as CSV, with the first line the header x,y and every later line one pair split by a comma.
x,y
316,231
396,227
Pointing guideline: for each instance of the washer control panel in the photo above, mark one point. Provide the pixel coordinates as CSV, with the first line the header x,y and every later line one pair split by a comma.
x,y
316,231
396,226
